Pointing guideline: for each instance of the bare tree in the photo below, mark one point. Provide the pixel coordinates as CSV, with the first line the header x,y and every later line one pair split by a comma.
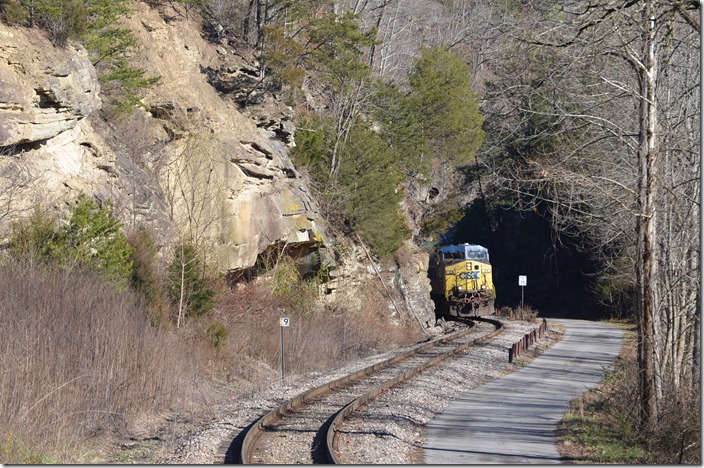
x,y
194,191
601,134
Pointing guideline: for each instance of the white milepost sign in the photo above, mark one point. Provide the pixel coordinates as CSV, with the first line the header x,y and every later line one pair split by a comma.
x,y
523,280
284,322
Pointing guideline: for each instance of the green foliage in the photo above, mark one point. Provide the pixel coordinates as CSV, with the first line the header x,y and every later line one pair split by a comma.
x,y
13,12
14,450
108,46
187,280
217,334
366,188
94,23
146,277
283,55
124,84
62,19
337,47
288,285
439,119
312,148
446,108
371,184
333,49
610,438
34,239
401,127
91,238
441,219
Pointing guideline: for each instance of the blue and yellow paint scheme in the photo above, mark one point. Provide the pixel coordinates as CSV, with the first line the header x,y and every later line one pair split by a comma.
x,y
461,280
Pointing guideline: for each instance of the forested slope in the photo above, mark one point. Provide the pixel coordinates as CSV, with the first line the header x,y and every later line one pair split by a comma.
x,y
212,161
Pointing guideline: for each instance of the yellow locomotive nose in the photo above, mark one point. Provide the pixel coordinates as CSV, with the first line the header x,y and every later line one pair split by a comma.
x,y
461,280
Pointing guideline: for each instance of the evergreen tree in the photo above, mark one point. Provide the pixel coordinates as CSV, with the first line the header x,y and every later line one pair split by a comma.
x,y
446,108
91,238
187,288
108,45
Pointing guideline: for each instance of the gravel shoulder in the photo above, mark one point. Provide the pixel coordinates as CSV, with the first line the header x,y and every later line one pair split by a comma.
x,y
390,431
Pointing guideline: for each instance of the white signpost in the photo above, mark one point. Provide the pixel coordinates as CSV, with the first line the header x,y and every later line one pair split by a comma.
x,y
522,282
283,322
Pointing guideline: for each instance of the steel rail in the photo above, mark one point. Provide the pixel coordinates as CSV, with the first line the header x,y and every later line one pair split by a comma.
x,y
254,431
355,404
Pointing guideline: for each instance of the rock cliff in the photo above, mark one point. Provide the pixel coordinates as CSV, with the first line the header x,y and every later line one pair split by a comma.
x,y
192,161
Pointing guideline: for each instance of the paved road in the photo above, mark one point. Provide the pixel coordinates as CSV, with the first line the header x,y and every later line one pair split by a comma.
x,y
512,420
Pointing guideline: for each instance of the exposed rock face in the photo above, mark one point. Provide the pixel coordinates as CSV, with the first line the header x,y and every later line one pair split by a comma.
x,y
411,280
43,91
51,149
192,162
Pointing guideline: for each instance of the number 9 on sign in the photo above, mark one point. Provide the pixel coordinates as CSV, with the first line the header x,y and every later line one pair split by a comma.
x,y
284,321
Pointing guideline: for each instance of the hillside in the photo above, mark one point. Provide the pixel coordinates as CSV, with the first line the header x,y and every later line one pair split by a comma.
x,y
176,176
192,159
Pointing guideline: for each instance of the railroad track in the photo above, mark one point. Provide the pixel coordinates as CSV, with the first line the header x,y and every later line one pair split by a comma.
x,y
304,429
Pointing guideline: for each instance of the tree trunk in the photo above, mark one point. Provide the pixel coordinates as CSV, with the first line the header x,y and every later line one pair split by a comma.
x,y
647,262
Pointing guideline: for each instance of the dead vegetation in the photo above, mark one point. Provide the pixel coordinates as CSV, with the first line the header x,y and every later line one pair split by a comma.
x,y
80,362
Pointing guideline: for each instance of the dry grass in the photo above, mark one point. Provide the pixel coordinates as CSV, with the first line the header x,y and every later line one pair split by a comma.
x,y
76,358
320,337
602,425
80,362
526,313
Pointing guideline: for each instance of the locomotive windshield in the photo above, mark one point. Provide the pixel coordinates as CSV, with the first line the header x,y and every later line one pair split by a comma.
x,y
464,252
477,255
453,255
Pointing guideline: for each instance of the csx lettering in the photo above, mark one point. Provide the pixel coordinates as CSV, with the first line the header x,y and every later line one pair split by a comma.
x,y
465,275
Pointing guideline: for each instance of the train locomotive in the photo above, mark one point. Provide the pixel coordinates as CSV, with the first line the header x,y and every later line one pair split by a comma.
x,y
461,281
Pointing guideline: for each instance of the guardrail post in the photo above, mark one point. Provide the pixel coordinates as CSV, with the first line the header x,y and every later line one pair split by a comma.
x,y
510,353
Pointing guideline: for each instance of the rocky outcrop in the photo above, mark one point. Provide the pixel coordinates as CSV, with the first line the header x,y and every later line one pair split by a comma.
x,y
411,280
43,91
191,161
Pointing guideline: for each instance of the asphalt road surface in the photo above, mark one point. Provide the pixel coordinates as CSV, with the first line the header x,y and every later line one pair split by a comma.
x,y
512,420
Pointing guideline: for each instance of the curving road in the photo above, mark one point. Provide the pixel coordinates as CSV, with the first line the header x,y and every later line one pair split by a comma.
x,y
512,420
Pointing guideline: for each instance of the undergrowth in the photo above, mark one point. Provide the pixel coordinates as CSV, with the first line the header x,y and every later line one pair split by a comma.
x,y
81,360
601,426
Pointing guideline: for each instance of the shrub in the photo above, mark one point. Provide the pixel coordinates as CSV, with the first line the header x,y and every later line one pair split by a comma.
x,y
217,334
13,12
35,239
91,238
146,277
186,288
287,284
62,19
77,357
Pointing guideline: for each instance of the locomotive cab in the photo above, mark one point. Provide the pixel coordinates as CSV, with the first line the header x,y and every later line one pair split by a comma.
x,y
461,280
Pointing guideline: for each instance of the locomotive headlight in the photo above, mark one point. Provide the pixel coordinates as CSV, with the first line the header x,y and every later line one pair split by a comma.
x,y
483,286
459,288
469,266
